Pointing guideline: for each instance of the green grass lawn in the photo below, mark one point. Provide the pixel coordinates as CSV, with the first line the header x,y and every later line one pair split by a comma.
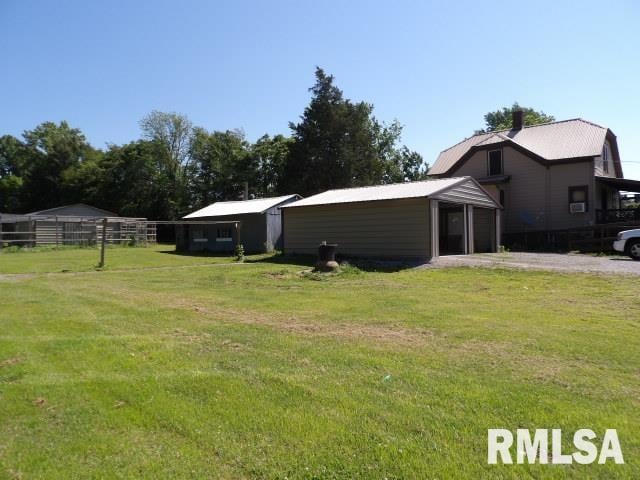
x,y
261,370
65,259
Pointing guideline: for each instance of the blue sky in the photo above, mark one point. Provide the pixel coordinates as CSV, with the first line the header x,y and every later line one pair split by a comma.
x,y
435,66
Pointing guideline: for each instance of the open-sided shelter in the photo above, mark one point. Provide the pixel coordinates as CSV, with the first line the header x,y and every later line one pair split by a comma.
x,y
416,220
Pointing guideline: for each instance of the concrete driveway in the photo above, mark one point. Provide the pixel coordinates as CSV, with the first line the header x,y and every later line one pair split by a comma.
x,y
544,261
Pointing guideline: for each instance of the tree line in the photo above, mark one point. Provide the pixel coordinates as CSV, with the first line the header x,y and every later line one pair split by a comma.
x,y
176,167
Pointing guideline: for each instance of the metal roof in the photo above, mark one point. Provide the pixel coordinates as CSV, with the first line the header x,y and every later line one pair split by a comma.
x,y
393,191
74,208
623,184
28,217
551,141
258,205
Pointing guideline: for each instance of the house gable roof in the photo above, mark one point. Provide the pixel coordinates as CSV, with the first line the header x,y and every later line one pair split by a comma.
x,y
258,205
549,142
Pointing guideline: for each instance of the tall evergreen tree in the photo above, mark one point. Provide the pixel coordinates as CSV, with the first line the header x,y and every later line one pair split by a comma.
x,y
338,143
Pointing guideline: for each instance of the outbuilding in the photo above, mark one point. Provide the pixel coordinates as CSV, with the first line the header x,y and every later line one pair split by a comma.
x,y
76,224
219,227
416,220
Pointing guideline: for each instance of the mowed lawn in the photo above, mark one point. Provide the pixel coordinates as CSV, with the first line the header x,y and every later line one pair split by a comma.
x,y
61,260
208,369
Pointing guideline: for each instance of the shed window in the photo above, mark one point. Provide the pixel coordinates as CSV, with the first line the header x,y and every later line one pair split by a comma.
x,y
495,162
224,233
199,235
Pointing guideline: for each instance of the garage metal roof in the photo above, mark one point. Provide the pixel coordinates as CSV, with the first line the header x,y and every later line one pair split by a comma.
x,y
426,188
258,205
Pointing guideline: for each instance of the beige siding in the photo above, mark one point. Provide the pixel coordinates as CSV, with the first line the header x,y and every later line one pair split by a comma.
x,y
561,177
475,167
389,228
598,164
524,194
466,193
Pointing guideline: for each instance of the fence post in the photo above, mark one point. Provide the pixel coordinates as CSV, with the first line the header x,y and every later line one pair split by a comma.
x,y
103,242
1,238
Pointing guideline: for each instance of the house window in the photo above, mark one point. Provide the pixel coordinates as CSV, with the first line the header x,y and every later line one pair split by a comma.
x,y
605,158
495,162
578,199
502,199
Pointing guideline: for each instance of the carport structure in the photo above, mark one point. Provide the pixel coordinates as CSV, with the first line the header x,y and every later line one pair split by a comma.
x,y
415,220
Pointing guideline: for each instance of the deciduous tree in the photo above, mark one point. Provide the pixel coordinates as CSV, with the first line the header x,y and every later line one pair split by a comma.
x,y
502,119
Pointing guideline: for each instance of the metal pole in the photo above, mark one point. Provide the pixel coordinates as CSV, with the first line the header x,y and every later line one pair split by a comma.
x,y
103,242
57,233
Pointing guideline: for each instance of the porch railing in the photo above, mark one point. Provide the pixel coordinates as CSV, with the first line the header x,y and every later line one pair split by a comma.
x,y
618,215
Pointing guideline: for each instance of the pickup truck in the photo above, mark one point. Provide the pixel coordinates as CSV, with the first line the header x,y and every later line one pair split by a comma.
x,y
628,242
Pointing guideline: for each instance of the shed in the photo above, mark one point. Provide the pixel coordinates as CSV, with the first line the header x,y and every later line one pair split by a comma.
x,y
75,210
75,224
416,220
256,224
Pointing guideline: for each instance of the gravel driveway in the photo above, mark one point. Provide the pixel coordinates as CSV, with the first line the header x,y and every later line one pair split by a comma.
x,y
544,261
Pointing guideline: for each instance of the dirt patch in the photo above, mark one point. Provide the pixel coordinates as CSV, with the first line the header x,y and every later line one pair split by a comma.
x,y
281,275
10,361
387,334
188,337
232,345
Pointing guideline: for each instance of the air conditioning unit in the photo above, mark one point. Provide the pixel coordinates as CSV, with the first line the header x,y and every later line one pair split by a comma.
x,y
577,207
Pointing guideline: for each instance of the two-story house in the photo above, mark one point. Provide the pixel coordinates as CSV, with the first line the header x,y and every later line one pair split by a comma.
x,y
548,177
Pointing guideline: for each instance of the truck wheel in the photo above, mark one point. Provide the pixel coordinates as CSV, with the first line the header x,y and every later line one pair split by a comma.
x,y
633,249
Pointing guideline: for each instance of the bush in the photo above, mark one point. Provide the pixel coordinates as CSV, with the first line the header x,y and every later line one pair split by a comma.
x,y
240,253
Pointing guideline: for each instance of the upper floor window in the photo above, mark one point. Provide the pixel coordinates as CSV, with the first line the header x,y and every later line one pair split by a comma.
x,y
495,162
605,158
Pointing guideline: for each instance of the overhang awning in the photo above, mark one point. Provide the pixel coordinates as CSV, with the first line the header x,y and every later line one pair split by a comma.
x,y
624,184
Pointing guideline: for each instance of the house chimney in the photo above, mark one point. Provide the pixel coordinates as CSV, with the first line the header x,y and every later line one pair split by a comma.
x,y
245,195
518,119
